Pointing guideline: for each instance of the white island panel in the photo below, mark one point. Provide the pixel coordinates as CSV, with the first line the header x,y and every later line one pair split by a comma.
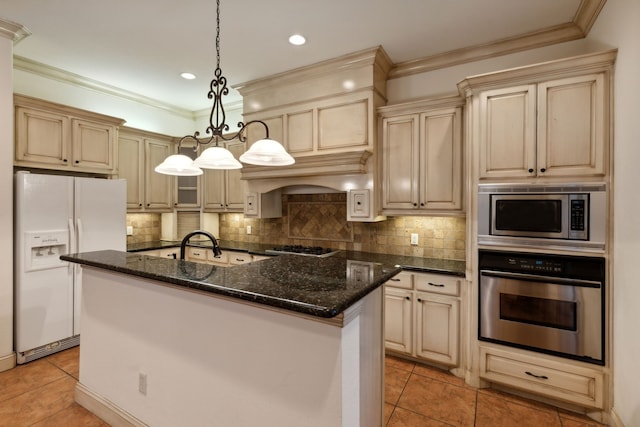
x,y
212,361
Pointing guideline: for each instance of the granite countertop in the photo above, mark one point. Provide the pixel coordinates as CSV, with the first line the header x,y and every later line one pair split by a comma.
x,y
413,263
322,287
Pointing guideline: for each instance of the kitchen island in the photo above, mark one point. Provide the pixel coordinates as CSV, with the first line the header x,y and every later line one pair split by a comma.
x,y
286,341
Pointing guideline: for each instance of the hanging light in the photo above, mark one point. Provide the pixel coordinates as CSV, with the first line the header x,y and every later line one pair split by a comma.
x,y
265,152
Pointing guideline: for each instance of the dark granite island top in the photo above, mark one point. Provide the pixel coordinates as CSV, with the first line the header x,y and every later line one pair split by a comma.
x,y
322,287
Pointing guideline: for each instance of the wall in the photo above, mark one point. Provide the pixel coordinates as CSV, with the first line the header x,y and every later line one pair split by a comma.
x,y
7,357
320,220
618,26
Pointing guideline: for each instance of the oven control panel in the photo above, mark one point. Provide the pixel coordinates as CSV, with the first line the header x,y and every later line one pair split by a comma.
x,y
535,264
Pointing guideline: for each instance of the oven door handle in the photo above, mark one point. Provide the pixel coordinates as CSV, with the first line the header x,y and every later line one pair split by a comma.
x,y
539,278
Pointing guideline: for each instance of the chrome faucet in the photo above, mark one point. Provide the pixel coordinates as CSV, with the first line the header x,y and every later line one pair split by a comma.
x,y
216,249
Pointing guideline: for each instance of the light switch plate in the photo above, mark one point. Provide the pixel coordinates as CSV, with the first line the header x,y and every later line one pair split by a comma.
x,y
129,230
414,238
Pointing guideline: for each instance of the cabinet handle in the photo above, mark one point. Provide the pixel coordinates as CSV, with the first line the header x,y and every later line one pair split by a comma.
x,y
239,259
540,377
437,285
393,279
196,253
543,170
530,170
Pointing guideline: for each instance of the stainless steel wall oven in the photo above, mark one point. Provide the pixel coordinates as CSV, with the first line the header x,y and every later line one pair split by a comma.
x,y
549,303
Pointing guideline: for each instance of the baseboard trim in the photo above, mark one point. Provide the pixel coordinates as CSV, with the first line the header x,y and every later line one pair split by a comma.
x,y
8,362
614,419
104,409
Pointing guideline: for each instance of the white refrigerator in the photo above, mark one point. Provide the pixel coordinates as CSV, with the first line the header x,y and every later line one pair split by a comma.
x,y
55,215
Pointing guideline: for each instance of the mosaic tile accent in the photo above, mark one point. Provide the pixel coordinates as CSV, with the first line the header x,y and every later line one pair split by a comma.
x,y
320,221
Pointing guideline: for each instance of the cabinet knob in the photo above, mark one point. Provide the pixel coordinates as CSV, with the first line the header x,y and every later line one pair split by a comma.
x,y
358,203
419,299
148,204
543,170
64,160
175,204
407,298
415,204
530,170
140,204
77,161
421,204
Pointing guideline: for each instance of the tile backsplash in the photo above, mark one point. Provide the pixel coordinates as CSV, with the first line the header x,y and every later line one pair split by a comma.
x,y
320,220
146,227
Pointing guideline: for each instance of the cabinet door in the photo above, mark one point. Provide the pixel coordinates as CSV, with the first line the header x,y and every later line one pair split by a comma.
x,y
441,159
437,328
234,185
187,187
572,131
130,168
158,187
508,132
214,190
42,137
400,162
93,145
398,319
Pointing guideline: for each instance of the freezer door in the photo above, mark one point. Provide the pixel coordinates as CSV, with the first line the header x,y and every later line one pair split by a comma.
x,y
43,288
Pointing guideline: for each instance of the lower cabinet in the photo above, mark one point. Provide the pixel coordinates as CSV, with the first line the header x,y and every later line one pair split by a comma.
x,y
569,382
226,259
422,316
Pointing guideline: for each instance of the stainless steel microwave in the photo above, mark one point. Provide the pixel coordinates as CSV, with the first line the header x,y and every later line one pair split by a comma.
x,y
543,215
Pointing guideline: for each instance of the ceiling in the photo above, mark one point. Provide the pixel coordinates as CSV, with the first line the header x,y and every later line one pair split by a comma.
x,y
140,47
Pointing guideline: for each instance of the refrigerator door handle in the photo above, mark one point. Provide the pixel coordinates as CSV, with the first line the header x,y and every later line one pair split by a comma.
x,y
79,232
72,236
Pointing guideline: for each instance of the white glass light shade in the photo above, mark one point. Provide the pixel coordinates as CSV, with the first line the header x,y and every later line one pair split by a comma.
x,y
267,152
178,164
217,158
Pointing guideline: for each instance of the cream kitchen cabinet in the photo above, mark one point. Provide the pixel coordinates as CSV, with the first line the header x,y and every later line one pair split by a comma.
x,y
139,153
223,190
226,259
554,128
263,205
187,194
53,136
422,316
542,121
421,156
569,382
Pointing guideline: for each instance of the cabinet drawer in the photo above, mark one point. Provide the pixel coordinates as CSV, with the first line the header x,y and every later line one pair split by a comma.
x,y
553,379
437,283
401,280
197,254
237,258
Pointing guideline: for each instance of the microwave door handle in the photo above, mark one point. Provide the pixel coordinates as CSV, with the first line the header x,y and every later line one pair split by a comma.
x,y
539,278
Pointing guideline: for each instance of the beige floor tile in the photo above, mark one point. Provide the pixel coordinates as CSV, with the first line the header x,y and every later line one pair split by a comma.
x,y
395,381
68,361
73,416
388,410
570,419
399,363
404,418
439,400
438,374
38,404
493,411
30,376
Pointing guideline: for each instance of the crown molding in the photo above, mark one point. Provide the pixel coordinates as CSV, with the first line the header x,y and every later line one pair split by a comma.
x,y
53,73
578,28
13,31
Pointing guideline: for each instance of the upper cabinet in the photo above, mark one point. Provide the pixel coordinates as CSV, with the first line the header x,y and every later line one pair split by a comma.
x,y
421,156
547,120
223,189
139,153
53,136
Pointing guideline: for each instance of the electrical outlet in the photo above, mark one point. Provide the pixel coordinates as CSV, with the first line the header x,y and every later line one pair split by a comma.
x,y
142,383
414,238
248,229
129,230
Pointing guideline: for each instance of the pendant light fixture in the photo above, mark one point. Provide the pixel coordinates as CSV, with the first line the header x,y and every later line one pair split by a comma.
x,y
264,152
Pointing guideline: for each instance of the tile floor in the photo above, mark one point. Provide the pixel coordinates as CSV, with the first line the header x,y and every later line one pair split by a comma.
x,y
40,394
421,396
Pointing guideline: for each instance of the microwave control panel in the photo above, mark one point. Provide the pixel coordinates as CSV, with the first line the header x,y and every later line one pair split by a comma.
x,y
578,216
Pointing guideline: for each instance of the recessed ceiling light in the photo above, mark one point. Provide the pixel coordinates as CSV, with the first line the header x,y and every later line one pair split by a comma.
x,y
188,76
297,40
